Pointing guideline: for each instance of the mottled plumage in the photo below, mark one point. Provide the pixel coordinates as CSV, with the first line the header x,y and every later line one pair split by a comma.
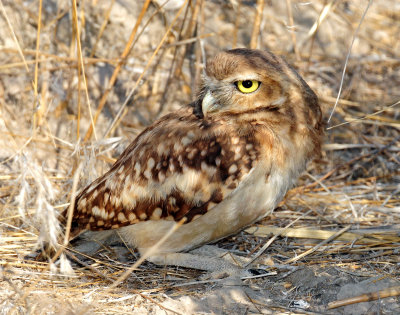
x,y
223,162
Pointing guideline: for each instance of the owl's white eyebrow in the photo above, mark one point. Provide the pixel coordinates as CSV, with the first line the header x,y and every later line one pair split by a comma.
x,y
244,77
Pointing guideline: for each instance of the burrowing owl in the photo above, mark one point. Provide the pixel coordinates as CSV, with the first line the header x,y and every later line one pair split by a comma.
x,y
222,163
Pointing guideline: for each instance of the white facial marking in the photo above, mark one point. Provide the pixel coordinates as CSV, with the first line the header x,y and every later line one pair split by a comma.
x,y
209,103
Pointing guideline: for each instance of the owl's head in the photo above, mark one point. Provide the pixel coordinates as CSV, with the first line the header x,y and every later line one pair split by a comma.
x,y
243,81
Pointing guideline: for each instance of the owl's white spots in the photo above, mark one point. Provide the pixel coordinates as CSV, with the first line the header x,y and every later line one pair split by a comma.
x,y
127,198
111,215
150,163
172,201
232,169
94,194
249,146
137,167
177,147
187,181
161,149
99,212
235,140
121,217
96,211
186,141
143,216
238,154
82,203
156,215
111,183
115,201
218,161
191,153
128,181
138,192
203,153
147,174
131,216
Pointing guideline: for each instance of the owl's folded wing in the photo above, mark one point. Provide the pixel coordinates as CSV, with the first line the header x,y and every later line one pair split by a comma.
x,y
179,167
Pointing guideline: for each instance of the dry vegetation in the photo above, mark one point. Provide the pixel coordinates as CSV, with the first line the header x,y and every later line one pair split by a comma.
x,y
134,63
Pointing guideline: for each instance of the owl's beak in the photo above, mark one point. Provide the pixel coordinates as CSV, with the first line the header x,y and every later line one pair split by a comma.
x,y
209,103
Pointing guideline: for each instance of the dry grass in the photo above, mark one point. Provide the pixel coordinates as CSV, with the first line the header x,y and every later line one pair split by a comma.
x,y
65,102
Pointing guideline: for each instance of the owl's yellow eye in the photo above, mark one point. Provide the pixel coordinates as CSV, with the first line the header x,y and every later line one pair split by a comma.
x,y
247,86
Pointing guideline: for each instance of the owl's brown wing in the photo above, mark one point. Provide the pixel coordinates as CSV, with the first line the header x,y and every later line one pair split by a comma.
x,y
178,167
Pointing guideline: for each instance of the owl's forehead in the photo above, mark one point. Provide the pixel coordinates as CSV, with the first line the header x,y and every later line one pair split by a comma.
x,y
232,63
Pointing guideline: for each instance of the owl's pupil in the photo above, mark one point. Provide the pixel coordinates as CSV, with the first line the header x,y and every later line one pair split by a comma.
x,y
247,84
